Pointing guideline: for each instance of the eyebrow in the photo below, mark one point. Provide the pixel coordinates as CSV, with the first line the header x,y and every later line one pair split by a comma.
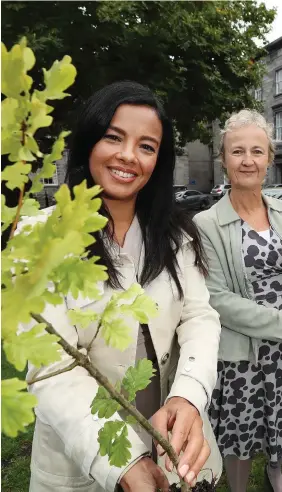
x,y
242,147
144,137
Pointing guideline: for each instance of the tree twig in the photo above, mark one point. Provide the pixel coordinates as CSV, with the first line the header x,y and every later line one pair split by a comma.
x,y
55,373
20,203
84,361
95,336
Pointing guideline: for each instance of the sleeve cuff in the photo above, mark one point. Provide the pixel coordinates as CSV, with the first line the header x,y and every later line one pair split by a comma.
x,y
190,389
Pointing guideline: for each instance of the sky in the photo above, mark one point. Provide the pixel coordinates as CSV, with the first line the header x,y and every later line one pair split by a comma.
x,y
276,31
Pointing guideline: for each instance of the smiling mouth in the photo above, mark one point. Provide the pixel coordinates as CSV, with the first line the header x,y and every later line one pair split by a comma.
x,y
122,174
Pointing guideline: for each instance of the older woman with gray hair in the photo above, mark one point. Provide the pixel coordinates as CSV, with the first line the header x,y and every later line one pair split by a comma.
x,y
242,237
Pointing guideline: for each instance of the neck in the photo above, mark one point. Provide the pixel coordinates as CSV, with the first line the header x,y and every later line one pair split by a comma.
x,y
122,213
247,201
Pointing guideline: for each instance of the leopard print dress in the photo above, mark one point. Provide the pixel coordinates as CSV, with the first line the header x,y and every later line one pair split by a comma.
x,y
246,408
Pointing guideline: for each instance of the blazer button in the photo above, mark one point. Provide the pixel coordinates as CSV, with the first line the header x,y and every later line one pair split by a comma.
x,y
164,358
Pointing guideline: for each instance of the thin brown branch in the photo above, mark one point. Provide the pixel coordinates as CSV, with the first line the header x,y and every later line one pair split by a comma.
x,y
20,203
84,361
95,336
55,373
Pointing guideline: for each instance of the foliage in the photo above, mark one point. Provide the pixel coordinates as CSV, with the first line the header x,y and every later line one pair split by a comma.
x,y
46,259
199,57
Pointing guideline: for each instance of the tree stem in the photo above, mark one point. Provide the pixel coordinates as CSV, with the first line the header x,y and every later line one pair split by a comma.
x,y
83,361
20,203
55,373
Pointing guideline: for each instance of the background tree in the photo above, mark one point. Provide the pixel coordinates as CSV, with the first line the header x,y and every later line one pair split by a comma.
x,y
198,56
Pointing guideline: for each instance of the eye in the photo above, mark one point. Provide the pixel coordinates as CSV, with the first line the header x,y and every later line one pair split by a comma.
x,y
113,137
148,148
237,152
258,151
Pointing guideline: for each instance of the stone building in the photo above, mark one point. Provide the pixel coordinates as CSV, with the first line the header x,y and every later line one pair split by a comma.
x,y
203,163
270,94
51,185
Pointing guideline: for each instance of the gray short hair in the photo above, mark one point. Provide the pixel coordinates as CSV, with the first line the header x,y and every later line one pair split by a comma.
x,y
247,117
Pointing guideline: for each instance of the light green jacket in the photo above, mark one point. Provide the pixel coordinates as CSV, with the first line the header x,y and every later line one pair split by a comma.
x,y
244,323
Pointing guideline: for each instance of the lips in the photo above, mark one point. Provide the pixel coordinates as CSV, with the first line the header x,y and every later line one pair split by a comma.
x,y
123,175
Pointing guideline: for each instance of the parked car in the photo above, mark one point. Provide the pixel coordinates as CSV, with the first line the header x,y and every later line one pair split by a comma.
x,y
273,186
274,192
193,199
179,188
219,191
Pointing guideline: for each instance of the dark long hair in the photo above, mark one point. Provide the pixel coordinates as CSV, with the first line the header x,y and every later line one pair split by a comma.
x,y
162,223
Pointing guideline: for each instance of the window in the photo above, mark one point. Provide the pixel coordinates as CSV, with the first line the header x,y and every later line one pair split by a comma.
x,y
278,126
258,94
51,181
278,80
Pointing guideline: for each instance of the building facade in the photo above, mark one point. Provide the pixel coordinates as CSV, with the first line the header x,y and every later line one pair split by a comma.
x,y
203,162
270,94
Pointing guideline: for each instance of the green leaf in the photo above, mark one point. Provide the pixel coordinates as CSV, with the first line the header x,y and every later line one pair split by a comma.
x,y
103,404
8,112
114,443
131,293
39,117
30,207
14,80
34,345
37,184
143,308
129,419
120,454
8,214
137,378
82,319
116,334
16,175
58,146
60,76
17,406
25,155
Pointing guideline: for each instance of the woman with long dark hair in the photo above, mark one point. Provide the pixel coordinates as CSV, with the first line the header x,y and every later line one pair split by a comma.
x,y
124,142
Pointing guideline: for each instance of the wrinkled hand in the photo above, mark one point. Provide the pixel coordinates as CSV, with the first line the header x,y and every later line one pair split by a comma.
x,y
144,476
182,419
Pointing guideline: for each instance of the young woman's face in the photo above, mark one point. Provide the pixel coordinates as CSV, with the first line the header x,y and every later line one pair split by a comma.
x,y
246,156
123,161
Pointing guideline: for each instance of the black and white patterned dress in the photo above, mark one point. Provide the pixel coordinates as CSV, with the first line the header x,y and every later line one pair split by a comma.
x,y
246,408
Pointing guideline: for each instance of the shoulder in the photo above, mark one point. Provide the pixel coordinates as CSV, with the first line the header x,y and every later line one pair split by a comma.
x,y
273,203
207,217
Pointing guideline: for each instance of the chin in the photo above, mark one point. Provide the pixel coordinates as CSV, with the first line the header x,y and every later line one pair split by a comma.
x,y
118,195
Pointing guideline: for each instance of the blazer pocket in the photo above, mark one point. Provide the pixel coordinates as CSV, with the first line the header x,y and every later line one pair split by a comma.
x,y
49,463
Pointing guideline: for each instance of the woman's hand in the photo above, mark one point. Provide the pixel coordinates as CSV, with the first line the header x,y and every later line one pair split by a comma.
x,y
182,419
144,476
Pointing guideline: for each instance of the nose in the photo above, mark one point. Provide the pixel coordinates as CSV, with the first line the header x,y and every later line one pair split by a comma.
x,y
127,153
248,159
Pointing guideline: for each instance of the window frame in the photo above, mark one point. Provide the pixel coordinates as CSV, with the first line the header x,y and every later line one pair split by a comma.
x,y
278,82
55,180
278,114
258,91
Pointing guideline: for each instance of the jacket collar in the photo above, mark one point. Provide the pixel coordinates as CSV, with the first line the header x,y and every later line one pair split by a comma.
x,y
226,213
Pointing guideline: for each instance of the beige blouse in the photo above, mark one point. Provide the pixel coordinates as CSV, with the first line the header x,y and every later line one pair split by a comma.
x,y
148,400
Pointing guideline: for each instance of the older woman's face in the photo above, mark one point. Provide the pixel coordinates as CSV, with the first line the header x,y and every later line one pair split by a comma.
x,y
246,156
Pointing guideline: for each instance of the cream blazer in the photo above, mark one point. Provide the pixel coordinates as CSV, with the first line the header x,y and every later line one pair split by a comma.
x,y
186,333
